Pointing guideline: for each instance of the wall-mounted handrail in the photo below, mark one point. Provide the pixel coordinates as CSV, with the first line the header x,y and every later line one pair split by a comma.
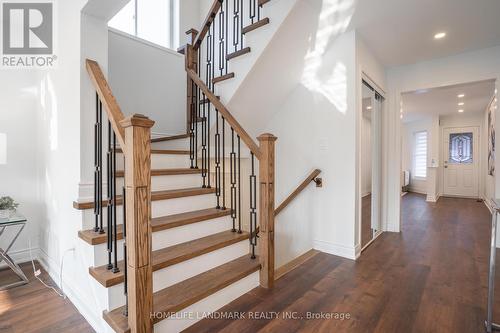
x,y
112,108
247,139
312,176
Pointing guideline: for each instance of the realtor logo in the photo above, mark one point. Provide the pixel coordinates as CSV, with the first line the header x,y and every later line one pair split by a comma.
x,y
28,29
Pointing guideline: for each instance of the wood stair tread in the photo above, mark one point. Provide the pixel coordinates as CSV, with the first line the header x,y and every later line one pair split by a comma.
x,y
183,294
223,78
238,53
255,25
173,255
163,151
159,224
169,138
155,196
168,172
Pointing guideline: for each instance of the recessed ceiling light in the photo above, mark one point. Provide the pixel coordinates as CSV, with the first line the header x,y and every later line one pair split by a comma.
x,y
461,103
460,111
368,107
461,96
440,35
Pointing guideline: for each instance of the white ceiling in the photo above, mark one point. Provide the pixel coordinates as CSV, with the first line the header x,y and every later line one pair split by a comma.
x,y
402,32
443,101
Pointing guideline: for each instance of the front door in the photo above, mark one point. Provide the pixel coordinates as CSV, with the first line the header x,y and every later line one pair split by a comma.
x,y
461,162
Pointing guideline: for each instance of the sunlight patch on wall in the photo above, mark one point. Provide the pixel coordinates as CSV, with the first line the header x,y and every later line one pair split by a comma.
x,y
48,103
328,80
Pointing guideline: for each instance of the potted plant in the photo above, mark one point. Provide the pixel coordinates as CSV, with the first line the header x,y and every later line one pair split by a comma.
x,y
7,207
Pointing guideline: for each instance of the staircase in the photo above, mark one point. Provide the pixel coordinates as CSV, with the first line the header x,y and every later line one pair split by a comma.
x,y
171,238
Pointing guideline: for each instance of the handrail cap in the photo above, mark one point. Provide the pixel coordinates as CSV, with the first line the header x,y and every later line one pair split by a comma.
x,y
137,120
267,137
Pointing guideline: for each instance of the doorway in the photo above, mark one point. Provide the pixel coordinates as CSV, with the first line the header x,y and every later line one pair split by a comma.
x,y
461,162
370,164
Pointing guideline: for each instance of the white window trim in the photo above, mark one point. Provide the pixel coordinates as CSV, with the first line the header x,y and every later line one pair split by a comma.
x,y
414,173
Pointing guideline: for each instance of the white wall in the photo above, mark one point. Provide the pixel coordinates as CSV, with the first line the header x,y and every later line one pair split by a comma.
x,y
487,181
148,79
311,104
20,177
467,67
189,17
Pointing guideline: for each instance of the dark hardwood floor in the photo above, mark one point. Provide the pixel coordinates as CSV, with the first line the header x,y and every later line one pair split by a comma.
x,y
431,277
34,308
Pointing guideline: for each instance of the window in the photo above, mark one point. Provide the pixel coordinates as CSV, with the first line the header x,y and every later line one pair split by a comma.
x,y
420,155
153,20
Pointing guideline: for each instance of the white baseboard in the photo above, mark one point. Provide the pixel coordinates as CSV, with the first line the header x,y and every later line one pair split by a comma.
x,y
72,292
431,198
487,203
337,249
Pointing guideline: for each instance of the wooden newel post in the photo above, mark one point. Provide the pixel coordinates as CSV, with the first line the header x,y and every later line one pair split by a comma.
x,y
266,181
138,200
191,56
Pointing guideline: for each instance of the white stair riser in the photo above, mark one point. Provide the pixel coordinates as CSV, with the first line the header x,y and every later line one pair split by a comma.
x,y
214,302
170,182
182,144
159,208
174,274
161,161
170,237
183,205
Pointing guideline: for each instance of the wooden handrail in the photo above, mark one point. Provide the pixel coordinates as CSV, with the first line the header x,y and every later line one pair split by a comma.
x,y
207,23
299,189
254,148
111,106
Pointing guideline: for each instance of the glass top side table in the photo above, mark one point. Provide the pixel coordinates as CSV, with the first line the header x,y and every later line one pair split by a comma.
x,y
17,222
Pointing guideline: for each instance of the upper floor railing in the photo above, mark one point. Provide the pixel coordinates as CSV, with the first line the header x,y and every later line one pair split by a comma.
x,y
219,144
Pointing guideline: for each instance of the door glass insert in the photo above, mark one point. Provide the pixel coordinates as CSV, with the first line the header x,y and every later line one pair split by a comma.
x,y
460,148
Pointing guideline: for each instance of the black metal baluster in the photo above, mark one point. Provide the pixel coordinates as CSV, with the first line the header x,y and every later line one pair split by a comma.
x,y
125,275
251,10
213,54
239,185
99,181
109,194
96,165
204,146
253,207
208,146
223,163
226,36
222,36
236,24
191,134
258,11
232,166
115,231
197,116
217,159
241,26
210,86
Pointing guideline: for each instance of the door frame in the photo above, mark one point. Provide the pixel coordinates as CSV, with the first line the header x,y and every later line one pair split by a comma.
x,y
379,157
478,153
